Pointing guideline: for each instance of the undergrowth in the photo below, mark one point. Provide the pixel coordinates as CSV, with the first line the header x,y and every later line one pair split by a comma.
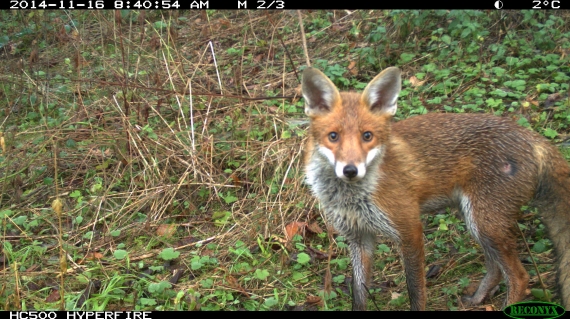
x,y
151,160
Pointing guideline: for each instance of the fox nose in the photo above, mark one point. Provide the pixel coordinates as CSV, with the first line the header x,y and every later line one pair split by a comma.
x,y
350,171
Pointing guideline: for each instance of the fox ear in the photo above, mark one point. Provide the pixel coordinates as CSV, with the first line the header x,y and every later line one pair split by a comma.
x,y
381,94
319,92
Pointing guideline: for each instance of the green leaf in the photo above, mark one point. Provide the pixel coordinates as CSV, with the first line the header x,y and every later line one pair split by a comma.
x,y
147,301
156,268
464,282
196,264
160,24
261,274
270,302
384,248
207,283
20,220
169,254
511,61
298,275
75,193
221,218
229,198
442,225
159,287
120,254
523,122
32,115
540,294
407,57
338,279
303,258
5,213
550,133
70,143
539,247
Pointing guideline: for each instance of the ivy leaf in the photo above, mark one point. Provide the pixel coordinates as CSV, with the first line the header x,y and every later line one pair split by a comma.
x,y
169,254
550,133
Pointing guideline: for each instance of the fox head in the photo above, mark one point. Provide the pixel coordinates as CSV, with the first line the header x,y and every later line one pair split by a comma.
x,y
350,129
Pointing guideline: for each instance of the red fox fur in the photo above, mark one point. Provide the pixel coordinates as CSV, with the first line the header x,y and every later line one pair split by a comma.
x,y
373,177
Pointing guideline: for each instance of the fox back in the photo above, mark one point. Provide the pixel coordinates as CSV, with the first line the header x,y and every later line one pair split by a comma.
x,y
373,177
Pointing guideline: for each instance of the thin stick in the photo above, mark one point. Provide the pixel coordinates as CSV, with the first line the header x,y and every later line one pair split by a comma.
x,y
216,65
192,112
303,38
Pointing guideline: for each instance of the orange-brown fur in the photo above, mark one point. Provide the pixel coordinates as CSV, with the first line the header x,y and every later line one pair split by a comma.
x,y
487,166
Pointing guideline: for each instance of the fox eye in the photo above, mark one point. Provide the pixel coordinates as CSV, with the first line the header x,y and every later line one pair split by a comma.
x,y
333,136
367,136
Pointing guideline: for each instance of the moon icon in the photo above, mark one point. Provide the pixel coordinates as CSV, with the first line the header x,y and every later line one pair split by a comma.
x,y
498,4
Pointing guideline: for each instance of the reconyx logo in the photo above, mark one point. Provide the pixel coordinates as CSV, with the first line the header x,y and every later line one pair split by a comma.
x,y
534,309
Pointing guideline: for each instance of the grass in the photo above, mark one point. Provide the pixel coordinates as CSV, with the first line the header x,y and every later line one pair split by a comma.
x,y
151,160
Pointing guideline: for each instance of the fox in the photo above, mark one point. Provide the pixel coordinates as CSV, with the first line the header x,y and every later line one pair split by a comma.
x,y
373,175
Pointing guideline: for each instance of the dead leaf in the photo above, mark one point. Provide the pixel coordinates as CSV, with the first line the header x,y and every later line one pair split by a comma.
x,y
233,282
317,254
34,56
387,284
186,241
155,43
314,300
531,101
352,68
74,35
328,280
489,308
235,178
118,17
225,22
433,271
551,99
277,242
176,274
141,18
415,82
34,267
173,33
17,184
395,295
93,255
258,57
53,296
91,288
314,228
295,228
166,230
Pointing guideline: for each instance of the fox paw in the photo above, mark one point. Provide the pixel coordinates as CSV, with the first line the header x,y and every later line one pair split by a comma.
x,y
477,300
